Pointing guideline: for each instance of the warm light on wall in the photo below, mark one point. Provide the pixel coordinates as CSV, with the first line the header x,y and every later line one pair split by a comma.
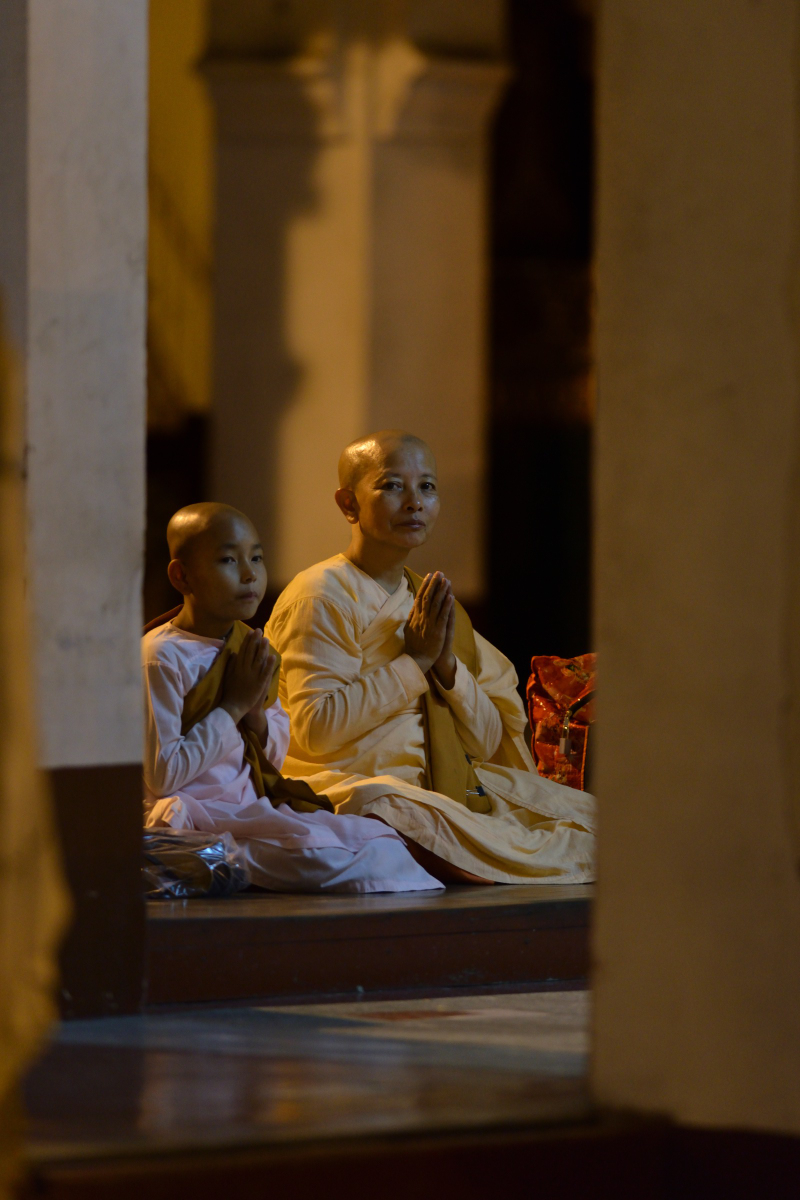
x,y
180,194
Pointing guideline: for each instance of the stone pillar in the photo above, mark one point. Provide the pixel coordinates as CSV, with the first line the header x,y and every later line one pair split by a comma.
x,y
73,126
349,273
698,913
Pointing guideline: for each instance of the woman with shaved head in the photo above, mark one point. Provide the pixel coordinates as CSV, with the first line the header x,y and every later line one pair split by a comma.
x,y
400,710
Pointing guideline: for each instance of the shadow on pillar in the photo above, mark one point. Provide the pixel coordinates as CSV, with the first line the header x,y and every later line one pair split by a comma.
x,y
265,158
539,525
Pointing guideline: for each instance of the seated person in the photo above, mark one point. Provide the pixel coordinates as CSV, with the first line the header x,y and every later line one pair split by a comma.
x,y
211,745
399,710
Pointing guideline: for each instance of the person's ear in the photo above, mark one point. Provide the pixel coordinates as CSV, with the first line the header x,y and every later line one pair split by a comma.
x,y
346,499
177,576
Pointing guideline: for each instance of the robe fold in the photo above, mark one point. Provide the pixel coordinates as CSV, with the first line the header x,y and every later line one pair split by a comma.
x,y
358,733
206,695
449,766
197,775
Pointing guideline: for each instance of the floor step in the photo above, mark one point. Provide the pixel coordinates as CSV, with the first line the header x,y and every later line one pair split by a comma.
x,y
294,1100
596,1161
610,1159
428,1099
270,947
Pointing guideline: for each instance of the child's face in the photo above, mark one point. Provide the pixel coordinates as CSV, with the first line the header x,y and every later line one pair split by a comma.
x,y
398,499
225,570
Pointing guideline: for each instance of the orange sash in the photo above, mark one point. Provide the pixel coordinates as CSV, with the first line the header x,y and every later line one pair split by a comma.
x,y
267,779
450,769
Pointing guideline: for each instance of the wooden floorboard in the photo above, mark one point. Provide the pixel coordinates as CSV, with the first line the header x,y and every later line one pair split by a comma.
x,y
269,947
140,1102
420,1099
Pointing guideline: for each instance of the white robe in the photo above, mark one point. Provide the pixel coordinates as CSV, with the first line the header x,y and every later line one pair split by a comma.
x,y
200,781
357,734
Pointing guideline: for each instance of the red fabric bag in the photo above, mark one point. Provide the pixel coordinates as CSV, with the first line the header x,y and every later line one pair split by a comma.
x,y
560,710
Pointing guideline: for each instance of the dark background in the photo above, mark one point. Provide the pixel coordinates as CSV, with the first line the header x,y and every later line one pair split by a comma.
x,y
540,346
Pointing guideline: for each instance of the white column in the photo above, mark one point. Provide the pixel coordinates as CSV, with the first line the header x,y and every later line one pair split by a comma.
x,y
72,278
350,287
698,917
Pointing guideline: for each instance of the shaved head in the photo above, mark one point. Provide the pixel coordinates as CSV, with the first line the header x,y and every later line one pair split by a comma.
x,y
372,451
189,525
217,564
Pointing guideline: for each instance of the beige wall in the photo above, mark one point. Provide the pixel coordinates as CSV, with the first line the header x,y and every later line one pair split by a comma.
x,y
72,277
344,286
697,938
350,258
180,186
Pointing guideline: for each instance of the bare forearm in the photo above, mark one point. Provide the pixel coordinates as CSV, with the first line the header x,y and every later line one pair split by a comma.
x,y
257,722
445,671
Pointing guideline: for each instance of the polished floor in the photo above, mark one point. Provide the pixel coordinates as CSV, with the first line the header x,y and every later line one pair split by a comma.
x,y
246,1077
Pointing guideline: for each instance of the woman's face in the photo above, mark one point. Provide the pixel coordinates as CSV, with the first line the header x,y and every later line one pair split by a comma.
x,y
397,499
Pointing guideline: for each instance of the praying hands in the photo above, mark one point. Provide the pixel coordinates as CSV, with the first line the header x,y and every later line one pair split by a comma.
x,y
247,683
430,628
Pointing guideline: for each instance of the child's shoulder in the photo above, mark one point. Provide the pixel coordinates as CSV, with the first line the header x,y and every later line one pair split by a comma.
x,y
164,646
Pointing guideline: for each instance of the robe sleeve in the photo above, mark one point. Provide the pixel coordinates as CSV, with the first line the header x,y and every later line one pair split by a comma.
x,y
498,679
330,700
488,711
172,760
277,734
477,720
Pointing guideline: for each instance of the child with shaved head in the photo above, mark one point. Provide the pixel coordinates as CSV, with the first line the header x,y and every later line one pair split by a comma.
x,y
400,710
216,734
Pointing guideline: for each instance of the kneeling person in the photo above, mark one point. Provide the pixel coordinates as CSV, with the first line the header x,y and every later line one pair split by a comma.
x,y
400,710
216,732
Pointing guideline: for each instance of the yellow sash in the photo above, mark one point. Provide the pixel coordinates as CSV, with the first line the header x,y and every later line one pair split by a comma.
x,y
267,780
449,767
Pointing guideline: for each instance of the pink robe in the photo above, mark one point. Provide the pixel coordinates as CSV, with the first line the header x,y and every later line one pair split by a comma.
x,y
200,781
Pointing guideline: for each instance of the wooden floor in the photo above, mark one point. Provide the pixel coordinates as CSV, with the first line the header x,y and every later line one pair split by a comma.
x,y
269,947
422,1099
224,1085
112,1092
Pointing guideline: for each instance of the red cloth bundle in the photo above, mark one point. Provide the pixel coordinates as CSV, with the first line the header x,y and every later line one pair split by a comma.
x,y
556,686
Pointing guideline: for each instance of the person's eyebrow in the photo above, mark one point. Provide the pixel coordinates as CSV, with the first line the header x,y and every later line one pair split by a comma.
x,y
399,475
